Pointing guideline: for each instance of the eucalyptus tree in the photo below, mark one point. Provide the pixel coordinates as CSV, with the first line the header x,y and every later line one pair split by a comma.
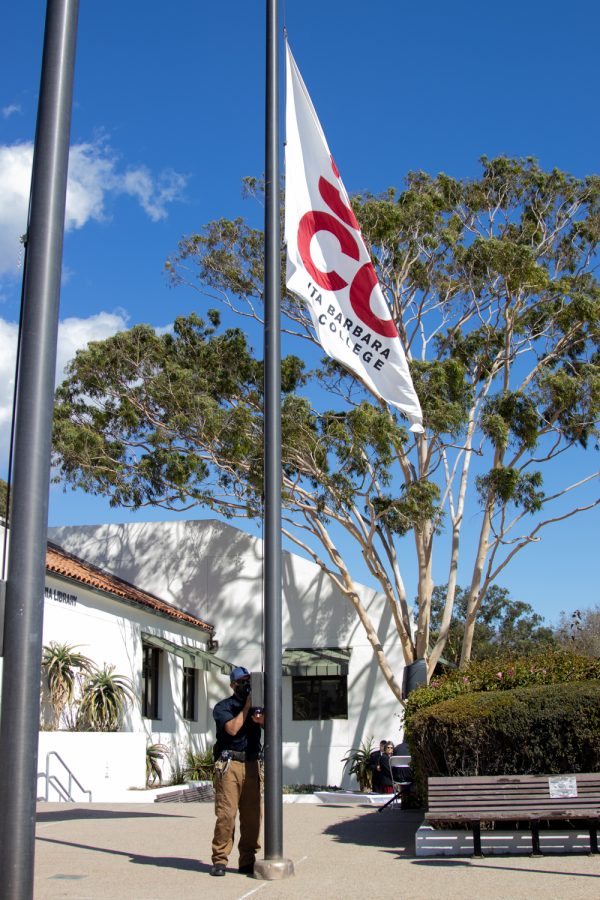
x,y
491,285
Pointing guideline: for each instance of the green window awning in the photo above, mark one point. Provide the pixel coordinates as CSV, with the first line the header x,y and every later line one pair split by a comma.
x,y
191,656
316,661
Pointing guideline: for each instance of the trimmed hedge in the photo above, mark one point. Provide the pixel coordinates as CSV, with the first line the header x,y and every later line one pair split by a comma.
x,y
505,673
537,730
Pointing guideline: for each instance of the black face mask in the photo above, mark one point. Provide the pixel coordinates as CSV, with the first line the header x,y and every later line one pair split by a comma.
x,y
242,689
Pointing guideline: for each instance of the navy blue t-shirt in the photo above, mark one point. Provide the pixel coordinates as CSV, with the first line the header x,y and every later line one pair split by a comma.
x,y
247,738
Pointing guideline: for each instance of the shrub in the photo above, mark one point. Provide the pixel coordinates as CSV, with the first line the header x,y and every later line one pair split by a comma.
x,y
199,765
532,730
358,762
504,673
155,753
105,698
64,668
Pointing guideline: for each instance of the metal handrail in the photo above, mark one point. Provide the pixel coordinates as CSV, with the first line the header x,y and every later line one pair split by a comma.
x,y
56,784
72,778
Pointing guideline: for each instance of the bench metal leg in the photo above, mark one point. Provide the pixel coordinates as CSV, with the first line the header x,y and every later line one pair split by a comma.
x,y
476,826
535,839
593,837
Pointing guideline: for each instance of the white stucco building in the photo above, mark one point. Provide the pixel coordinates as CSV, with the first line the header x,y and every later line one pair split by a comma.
x,y
333,693
162,651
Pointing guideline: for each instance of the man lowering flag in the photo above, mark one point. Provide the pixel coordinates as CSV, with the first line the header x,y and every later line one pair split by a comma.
x,y
328,265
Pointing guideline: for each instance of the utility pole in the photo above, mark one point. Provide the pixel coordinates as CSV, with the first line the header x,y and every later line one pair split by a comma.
x,y
273,866
23,621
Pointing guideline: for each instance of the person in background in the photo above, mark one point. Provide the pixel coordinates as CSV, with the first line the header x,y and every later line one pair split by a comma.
x,y
386,778
402,773
238,755
374,759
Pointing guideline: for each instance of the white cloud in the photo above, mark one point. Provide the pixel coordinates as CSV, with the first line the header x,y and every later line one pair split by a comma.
x,y
15,179
12,110
153,195
8,343
73,334
164,329
94,175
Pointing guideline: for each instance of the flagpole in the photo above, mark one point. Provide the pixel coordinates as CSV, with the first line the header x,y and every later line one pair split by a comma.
x,y
273,866
19,725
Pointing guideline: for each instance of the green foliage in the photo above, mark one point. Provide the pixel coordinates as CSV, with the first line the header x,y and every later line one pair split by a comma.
x,y
511,414
504,626
416,506
177,772
155,753
63,668
506,484
580,632
104,700
528,730
490,282
357,762
504,674
444,393
82,696
3,499
199,765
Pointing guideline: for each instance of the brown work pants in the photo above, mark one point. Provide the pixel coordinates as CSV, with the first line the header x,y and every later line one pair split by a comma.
x,y
237,789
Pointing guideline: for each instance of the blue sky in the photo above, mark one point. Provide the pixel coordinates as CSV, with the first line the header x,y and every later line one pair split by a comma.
x,y
169,115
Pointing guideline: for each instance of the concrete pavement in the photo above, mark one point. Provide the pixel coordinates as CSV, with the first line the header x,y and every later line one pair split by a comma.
x,y
162,852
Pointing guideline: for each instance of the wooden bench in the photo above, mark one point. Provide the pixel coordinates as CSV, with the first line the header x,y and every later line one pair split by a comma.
x,y
532,798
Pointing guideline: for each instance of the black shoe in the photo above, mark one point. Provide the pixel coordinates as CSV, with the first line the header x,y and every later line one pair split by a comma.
x,y
217,869
246,870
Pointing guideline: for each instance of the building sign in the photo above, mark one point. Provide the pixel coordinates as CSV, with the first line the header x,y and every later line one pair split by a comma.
x,y
60,596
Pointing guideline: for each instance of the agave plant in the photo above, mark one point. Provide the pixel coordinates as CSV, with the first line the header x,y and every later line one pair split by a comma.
x,y
104,700
358,762
199,766
155,753
63,666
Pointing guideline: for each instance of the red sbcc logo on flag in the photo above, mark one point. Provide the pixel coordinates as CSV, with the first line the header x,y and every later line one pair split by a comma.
x,y
365,279
329,266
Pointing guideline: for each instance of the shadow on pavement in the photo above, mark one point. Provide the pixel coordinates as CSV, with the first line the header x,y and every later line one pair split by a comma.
x,y
436,862
394,830
167,862
82,813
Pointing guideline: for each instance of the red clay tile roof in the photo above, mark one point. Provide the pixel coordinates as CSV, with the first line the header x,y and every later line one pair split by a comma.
x,y
59,562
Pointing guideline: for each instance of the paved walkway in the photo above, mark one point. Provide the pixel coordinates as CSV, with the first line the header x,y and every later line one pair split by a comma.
x,y
162,852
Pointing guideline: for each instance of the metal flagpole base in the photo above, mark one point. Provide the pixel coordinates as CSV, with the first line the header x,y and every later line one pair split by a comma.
x,y
273,869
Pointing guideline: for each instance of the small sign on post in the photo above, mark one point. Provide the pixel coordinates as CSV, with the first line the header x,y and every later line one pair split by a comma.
x,y
562,786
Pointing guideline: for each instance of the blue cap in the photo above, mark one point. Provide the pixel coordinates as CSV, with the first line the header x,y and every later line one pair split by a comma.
x,y
237,673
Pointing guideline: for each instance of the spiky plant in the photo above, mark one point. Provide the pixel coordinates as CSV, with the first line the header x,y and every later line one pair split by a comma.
x,y
62,666
104,701
358,763
155,753
199,765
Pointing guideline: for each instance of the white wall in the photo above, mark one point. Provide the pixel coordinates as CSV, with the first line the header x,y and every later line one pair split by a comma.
x,y
109,632
107,765
214,571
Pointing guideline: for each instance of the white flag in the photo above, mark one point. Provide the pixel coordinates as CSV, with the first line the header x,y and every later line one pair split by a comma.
x,y
328,265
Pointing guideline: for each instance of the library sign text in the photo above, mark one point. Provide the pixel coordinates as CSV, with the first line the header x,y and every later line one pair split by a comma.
x,y
60,596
